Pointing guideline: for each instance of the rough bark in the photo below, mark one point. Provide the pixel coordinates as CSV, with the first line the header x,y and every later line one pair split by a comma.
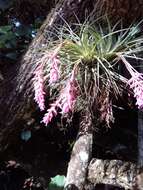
x,y
77,168
81,155
140,146
126,10
140,138
112,172
139,180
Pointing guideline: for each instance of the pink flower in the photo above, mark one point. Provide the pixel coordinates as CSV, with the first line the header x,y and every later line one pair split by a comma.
x,y
65,102
136,84
54,69
39,88
69,95
52,112
54,76
65,108
48,117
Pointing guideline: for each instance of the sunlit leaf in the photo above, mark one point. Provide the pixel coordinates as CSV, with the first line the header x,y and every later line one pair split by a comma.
x,y
57,182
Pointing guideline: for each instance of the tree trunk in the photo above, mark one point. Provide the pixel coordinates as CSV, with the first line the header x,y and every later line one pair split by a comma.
x,y
112,172
140,138
81,155
140,146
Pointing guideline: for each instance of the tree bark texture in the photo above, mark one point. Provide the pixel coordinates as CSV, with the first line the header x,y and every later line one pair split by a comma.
x,y
77,168
126,10
81,155
140,145
112,172
140,151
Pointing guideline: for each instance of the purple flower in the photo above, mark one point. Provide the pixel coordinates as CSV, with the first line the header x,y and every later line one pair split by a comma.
x,y
39,88
136,84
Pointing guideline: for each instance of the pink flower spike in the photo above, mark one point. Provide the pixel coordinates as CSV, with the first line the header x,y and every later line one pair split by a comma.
x,y
54,69
47,118
54,76
52,112
72,91
39,88
136,84
65,108
69,95
49,115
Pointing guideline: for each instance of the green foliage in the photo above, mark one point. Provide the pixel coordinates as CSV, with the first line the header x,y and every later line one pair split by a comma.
x,y
14,40
57,183
15,32
94,46
7,37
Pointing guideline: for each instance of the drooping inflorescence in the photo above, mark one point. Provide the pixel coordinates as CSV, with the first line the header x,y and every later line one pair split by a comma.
x,y
54,67
39,87
65,102
136,84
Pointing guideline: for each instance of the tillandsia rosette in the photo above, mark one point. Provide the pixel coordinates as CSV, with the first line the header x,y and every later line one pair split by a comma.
x,y
83,68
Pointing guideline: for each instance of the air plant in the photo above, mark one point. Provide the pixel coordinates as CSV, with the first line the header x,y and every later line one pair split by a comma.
x,y
83,63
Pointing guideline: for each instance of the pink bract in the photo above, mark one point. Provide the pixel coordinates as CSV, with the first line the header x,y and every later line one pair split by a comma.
x,y
48,116
65,102
69,95
51,112
39,88
65,108
54,68
136,84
